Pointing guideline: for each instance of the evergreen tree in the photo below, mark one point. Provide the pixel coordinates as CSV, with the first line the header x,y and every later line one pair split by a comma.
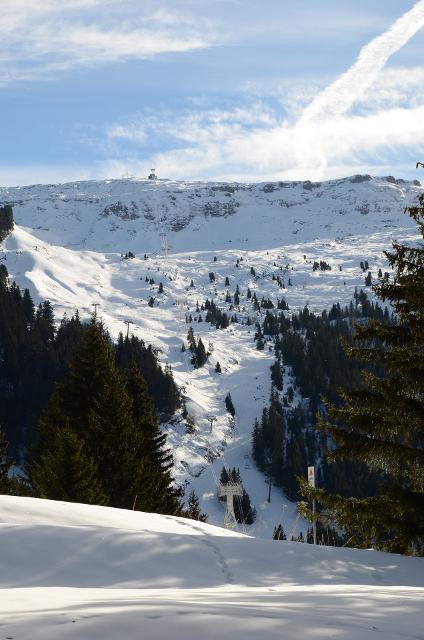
x,y
229,404
277,375
243,510
259,338
160,382
66,472
279,533
382,425
193,510
258,447
6,221
93,403
201,354
5,465
148,462
104,421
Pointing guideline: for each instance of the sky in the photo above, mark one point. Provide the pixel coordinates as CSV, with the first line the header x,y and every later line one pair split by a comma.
x,y
210,90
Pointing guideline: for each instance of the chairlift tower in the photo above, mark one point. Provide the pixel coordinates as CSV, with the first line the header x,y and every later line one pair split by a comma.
x,y
212,419
164,243
228,491
128,322
95,305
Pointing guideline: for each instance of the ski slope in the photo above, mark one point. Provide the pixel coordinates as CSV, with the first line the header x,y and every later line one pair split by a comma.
x,y
80,572
67,247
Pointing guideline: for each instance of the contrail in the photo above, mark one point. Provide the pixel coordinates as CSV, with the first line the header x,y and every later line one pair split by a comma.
x,y
339,96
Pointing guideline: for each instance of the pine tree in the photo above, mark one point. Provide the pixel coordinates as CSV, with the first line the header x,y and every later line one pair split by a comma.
x,y
5,465
148,462
229,404
6,221
243,510
277,375
193,510
93,403
382,425
258,446
201,355
279,533
224,477
66,472
99,437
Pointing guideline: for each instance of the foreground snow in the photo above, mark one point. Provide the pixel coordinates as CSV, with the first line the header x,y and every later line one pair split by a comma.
x,y
83,572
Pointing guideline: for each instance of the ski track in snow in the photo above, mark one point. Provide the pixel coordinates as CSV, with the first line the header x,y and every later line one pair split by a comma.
x,y
67,246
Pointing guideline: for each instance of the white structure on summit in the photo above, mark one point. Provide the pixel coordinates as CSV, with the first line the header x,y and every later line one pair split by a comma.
x,y
152,175
228,491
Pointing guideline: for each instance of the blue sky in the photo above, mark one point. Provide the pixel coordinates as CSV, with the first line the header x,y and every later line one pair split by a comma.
x,y
217,89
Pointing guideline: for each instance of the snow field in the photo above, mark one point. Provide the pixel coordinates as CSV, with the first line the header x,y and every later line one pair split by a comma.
x,y
83,573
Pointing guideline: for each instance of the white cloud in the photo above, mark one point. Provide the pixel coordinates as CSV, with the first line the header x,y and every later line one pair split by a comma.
x,y
253,142
40,38
354,124
351,85
398,86
222,148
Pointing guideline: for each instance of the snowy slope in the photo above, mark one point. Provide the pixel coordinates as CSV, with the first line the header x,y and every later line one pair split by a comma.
x,y
84,573
67,247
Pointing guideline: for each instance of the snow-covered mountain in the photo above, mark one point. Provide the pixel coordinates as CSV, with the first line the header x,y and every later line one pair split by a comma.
x,y
81,572
68,247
